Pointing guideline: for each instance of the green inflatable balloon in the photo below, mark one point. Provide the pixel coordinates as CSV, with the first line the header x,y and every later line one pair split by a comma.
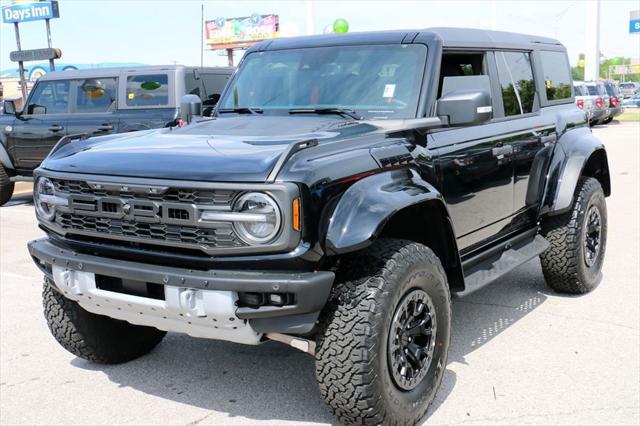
x,y
340,26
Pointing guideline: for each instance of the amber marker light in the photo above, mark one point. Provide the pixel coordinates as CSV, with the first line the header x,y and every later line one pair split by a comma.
x,y
296,214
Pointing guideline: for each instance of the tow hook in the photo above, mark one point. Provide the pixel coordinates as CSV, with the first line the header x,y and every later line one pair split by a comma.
x,y
304,345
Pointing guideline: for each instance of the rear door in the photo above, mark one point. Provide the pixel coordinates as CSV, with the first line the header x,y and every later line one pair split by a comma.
x,y
42,123
94,106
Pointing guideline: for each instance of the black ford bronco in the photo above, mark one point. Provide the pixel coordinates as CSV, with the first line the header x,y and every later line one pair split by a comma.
x,y
345,187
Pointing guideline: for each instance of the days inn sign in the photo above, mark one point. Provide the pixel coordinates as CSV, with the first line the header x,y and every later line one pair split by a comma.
x,y
30,11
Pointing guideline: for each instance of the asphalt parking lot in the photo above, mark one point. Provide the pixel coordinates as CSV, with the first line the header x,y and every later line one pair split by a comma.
x,y
521,354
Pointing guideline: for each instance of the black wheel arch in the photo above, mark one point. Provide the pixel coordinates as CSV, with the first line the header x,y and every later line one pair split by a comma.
x,y
394,204
578,153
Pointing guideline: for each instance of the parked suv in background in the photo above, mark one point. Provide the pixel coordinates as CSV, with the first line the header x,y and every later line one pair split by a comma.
x,y
96,102
630,88
345,187
597,89
615,100
587,102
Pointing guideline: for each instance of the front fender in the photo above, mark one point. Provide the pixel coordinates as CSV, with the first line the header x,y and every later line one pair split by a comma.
x,y
575,150
364,209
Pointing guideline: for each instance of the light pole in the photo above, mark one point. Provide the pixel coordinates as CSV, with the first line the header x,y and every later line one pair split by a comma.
x,y
592,51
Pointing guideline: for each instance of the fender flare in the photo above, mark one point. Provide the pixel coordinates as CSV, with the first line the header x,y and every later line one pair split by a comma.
x,y
364,209
575,149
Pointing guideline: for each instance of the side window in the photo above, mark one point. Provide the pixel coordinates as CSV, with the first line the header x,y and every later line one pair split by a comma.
x,y
49,97
148,90
516,82
557,75
96,95
460,65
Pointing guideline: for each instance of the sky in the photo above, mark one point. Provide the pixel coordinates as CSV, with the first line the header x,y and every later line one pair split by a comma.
x,y
168,31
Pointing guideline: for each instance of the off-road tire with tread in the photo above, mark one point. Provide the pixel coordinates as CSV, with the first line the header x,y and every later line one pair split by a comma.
x,y
563,262
351,351
96,338
6,186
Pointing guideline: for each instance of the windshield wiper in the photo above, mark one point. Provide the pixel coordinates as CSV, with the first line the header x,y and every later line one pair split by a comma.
x,y
243,110
338,111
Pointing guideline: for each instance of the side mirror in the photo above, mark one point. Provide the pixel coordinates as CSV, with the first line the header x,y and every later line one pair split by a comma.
x,y
190,107
9,107
466,107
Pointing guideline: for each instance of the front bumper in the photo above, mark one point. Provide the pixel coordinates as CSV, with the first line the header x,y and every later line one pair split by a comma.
x,y
199,303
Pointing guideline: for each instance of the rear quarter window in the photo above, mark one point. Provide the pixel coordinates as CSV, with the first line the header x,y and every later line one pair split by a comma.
x,y
557,75
147,90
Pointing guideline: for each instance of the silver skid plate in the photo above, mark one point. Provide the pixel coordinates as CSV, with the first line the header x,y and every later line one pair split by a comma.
x,y
199,313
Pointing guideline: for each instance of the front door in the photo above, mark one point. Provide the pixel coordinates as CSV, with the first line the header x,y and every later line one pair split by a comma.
x,y
94,107
41,124
476,180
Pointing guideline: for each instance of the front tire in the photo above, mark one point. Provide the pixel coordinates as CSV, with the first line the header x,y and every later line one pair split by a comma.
x,y
384,335
96,338
6,186
578,238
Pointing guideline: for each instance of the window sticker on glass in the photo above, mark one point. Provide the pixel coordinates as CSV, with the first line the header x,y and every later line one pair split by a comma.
x,y
389,90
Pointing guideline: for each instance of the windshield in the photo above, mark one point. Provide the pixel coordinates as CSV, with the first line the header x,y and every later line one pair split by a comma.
x,y
377,82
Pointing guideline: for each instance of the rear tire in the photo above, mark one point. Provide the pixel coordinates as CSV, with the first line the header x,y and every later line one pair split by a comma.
x,y
6,186
363,338
96,338
578,238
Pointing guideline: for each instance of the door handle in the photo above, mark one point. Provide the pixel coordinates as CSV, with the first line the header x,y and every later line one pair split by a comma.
x,y
105,127
56,128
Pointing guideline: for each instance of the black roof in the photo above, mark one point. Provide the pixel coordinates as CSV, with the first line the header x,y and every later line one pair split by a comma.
x,y
450,37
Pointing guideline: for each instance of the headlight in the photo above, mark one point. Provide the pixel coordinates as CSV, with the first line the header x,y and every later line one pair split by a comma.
x,y
45,199
263,218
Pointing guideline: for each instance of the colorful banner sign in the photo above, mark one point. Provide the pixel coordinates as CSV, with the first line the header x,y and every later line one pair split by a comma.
x,y
231,33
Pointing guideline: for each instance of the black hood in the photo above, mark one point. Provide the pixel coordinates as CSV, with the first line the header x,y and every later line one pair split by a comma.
x,y
235,149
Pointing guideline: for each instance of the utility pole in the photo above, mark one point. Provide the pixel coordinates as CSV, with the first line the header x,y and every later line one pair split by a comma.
x,y
592,51
310,18
23,83
52,66
201,35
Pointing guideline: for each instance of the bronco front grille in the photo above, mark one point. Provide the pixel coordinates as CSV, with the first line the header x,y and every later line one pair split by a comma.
x,y
146,214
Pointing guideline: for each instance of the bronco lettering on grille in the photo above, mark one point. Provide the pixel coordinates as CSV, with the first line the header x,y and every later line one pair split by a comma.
x,y
132,210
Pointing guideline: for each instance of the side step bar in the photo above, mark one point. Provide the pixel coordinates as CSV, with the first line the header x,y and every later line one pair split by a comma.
x,y
482,269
